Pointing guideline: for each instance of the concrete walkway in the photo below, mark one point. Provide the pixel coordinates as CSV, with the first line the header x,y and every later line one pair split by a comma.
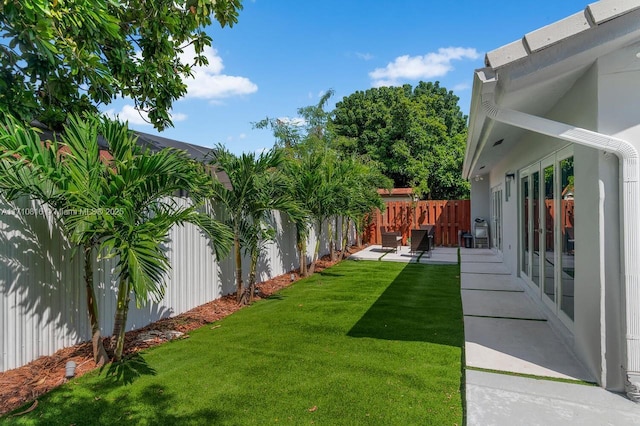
x,y
506,333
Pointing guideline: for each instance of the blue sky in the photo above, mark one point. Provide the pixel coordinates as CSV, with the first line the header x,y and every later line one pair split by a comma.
x,y
283,54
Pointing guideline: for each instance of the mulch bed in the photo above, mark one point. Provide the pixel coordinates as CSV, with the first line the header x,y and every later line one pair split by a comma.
x,y
27,383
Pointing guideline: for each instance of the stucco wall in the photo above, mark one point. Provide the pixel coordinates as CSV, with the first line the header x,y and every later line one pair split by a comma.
x,y
619,104
480,199
578,106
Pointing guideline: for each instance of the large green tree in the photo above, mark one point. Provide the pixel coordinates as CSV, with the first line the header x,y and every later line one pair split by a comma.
x,y
415,135
327,183
62,56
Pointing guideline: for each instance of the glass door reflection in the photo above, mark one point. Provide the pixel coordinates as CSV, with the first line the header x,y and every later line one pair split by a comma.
x,y
524,228
536,228
549,262
567,211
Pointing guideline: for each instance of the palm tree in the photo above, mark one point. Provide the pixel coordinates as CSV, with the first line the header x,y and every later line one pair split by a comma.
x,y
122,204
311,172
139,190
273,196
257,189
66,181
361,198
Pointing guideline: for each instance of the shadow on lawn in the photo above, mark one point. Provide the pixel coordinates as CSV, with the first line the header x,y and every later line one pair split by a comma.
x,y
128,370
152,405
422,304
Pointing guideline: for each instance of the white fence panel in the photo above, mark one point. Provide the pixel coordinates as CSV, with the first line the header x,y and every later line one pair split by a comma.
x,y
42,292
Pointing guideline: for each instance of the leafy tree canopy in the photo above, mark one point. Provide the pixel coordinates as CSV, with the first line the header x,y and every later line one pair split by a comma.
x,y
65,56
416,136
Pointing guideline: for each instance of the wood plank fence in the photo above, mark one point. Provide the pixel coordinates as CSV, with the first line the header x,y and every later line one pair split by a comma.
x,y
449,217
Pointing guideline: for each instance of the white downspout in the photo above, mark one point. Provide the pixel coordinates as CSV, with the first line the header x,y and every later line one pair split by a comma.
x,y
630,225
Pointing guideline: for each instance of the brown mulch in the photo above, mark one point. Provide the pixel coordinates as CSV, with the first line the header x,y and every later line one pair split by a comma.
x,y
28,382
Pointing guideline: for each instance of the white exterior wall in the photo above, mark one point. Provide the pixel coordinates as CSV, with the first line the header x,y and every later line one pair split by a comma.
x,y
579,106
619,104
605,99
481,200
42,293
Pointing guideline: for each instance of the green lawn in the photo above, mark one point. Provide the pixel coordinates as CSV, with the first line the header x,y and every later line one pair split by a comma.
x,y
360,343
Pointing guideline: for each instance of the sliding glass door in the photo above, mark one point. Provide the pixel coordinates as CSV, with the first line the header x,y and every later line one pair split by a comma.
x,y
567,255
525,223
546,231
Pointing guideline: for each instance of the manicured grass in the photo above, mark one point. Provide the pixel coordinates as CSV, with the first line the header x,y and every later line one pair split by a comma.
x,y
360,343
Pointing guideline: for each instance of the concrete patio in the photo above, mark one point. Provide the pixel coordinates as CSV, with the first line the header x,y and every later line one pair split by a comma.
x,y
441,255
506,334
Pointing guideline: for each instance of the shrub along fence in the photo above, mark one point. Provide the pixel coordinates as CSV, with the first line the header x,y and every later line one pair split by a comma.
x,y
448,217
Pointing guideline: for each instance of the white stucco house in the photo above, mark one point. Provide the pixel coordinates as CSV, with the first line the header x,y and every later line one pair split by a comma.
x,y
552,157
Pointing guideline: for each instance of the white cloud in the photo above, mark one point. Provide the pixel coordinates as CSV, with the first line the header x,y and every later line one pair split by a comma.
x,y
178,116
134,116
129,113
209,83
364,56
242,136
433,64
461,86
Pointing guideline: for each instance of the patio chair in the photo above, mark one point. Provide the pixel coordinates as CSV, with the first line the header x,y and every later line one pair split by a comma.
x,y
391,239
422,239
432,234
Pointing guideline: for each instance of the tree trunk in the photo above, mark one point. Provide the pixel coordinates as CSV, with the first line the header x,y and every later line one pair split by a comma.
x,y
337,242
345,236
302,251
120,320
332,250
100,355
238,254
252,274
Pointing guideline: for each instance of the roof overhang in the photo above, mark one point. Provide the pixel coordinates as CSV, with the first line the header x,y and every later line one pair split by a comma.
x,y
155,143
532,74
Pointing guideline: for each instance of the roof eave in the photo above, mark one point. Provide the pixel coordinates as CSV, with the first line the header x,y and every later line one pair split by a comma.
x,y
477,117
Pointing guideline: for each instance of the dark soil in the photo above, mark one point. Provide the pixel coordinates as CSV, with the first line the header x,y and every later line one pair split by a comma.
x,y
27,383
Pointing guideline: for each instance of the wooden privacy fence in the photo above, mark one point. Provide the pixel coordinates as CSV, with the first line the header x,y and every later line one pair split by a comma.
x,y
448,217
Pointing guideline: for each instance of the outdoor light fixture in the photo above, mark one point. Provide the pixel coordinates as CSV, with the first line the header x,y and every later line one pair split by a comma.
x,y
478,178
70,369
508,177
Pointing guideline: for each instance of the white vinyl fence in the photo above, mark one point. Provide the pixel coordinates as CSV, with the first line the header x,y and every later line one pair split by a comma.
x,y
42,292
